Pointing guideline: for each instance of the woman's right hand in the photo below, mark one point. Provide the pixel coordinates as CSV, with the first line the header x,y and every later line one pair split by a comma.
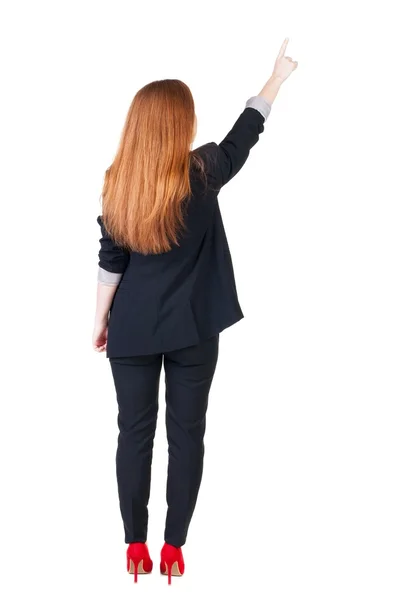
x,y
284,65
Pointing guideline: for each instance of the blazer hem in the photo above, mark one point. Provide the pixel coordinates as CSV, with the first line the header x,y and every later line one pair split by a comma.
x,y
165,349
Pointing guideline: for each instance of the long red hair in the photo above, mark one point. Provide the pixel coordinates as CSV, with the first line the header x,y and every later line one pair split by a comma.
x,y
148,184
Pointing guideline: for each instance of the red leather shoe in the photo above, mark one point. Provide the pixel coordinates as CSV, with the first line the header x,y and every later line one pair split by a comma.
x,y
138,559
172,562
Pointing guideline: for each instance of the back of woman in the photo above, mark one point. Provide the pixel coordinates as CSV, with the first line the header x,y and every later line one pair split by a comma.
x,y
166,290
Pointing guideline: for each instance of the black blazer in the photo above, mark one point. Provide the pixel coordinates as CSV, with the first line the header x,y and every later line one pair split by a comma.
x,y
178,298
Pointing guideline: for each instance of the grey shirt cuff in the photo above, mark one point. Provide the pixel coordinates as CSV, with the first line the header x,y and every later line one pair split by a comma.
x,y
260,104
108,278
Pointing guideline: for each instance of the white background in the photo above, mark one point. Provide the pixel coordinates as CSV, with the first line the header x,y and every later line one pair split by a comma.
x,y
304,493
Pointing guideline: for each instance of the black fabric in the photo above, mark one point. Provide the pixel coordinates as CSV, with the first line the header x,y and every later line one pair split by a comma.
x,y
178,298
188,375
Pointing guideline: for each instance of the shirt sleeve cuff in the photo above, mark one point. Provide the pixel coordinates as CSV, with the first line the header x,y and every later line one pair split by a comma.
x,y
108,278
260,104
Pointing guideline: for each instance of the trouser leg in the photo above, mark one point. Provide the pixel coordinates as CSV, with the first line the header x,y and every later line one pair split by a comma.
x,y
137,385
189,373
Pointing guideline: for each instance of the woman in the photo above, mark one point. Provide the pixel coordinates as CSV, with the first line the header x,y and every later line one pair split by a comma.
x,y
166,290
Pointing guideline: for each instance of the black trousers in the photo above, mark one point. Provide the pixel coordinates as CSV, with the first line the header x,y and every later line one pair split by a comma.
x,y
188,377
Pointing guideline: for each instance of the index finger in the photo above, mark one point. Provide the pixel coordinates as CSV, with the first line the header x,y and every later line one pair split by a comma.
x,y
283,47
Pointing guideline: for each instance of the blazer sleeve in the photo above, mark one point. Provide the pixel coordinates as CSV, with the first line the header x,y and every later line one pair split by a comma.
x,y
229,156
113,259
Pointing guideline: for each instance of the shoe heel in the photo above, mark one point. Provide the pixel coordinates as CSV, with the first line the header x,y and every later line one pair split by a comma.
x,y
169,568
137,569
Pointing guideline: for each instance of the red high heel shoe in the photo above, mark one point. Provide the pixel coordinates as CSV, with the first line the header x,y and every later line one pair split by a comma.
x,y
172,562
138,559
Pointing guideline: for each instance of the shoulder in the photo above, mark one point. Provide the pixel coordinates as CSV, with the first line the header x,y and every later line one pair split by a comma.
x,y
209,155
206,149
207,152
102,225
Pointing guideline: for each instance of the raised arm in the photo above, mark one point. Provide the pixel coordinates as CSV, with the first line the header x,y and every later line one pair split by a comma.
x,y
229,156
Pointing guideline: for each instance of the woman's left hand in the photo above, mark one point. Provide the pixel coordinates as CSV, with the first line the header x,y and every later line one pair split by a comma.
x,y
100,336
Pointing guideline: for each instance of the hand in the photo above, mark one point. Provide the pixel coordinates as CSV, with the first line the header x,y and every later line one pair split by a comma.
x,y
100,336
284,65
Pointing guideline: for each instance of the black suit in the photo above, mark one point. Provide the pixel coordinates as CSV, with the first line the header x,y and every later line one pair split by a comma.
x,y
178,298
171,307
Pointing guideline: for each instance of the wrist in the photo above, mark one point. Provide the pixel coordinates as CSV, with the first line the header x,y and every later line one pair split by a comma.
x,y
276,79
101,319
